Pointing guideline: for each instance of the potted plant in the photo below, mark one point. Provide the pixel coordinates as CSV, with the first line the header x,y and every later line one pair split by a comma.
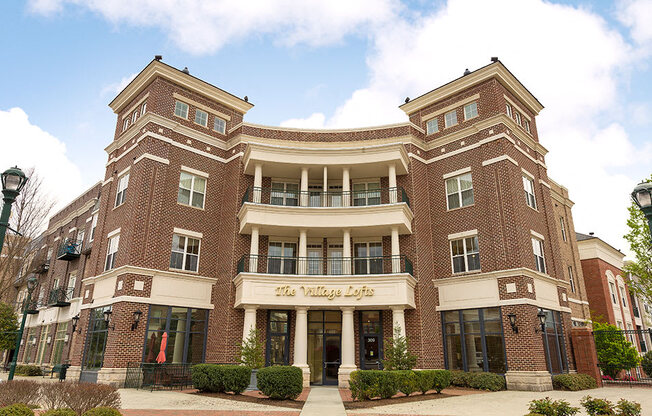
x,y
252,356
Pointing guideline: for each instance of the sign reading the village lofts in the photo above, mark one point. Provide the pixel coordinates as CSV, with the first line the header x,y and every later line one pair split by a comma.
x,y
357,292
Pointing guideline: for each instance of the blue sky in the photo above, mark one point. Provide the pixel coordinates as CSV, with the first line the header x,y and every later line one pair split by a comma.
x,y
336,64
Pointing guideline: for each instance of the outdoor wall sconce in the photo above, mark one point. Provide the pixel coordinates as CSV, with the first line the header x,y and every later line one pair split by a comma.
x,y
107,319
512,322
542,322
137,314
49,340
75,321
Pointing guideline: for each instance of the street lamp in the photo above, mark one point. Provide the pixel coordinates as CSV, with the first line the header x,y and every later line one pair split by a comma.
x,y
642,196
31,285
13,180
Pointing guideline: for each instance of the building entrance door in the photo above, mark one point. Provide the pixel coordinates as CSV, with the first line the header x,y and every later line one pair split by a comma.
x,y
324,346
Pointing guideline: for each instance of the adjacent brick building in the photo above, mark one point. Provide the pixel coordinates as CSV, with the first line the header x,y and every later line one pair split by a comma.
x,y
445,228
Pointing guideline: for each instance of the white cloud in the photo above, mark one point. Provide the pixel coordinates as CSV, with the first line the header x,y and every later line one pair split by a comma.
x,y
116,87
27,145
314,121
637,15
205,26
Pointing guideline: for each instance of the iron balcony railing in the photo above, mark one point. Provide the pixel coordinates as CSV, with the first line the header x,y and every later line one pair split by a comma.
x,y
297,198
329,266
69,249
30,308
60,296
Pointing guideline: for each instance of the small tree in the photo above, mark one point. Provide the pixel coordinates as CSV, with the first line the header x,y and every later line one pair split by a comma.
x,y
638,237
615,353
8,327
398,356
252,350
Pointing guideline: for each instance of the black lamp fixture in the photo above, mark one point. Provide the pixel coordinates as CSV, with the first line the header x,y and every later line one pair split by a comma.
x,y
542,321
75,321
107,319
137,315
642,197
512,322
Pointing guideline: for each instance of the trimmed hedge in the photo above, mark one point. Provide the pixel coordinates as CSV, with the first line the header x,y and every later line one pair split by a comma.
x,y
102,411
425,380
407,381
366,384
646,363
280,382
59,412
480,381
214,378
442,380
29,370
17,409
573,382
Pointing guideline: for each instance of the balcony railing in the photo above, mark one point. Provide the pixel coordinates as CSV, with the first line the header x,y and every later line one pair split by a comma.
x,y
30,309
329,266
60,297
70,249
296,198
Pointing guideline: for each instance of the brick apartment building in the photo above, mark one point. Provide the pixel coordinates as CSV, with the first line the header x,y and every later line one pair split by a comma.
x,y
445,226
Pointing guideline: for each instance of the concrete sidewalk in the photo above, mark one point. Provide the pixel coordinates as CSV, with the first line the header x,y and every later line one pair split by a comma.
x,y
324,401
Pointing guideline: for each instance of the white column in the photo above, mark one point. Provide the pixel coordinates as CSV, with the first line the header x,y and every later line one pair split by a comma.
x,y
325,199
253,251
398,319
396,252
346,187
346,251
249,320
393,190
348,347
301,344
303,252
304,187
258,183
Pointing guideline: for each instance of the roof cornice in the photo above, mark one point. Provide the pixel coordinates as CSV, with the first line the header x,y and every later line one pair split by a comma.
x,y
496,70
157,68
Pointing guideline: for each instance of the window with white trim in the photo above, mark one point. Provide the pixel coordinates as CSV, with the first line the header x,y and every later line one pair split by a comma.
x,y
612,289
517,116
111,252
93,226
459,191
125,123
185,253
201,117
526,124
366,193
219,125
181,109
470,110
465,254
528,186
571,279
563,228
622,295
539,260
123,183
508,110
432,126
450,118
282,257
283,193
81,234
192,190
143,108
134,117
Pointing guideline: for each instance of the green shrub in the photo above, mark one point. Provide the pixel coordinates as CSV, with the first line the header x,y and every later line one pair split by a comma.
x,y
19,391
442,379
29,370
487,381
59,412
236,378
82,397
280,382
425,380
597,407
646,363
17,409
367,384
627,408
397,353
460,378
574,382
102,411
214,378
546,407
407,381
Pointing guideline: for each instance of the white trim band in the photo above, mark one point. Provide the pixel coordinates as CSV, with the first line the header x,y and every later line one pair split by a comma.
x,y
188,233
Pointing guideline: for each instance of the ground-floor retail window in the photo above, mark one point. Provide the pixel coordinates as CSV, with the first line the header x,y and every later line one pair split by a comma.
x,y
474,341
59,341
186,334
553,343
98,330
278,338
29,345
42,345
371,340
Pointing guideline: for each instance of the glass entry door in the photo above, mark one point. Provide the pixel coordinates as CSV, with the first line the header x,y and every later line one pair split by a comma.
x,y
324,346
371,348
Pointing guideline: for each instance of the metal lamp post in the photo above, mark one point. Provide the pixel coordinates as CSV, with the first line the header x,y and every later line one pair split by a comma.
x,y
31,284
642,196
13,180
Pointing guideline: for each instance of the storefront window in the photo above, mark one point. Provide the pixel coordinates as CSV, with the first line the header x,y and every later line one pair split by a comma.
x,y
473,340
278,338
186,334
59,341
553,342
97,333
29,345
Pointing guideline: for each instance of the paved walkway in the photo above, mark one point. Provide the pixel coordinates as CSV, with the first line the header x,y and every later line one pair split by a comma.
x,y
324,401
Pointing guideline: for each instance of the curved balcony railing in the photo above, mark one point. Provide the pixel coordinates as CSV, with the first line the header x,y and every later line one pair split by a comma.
x,y
70,249
60,297
297,198
329,266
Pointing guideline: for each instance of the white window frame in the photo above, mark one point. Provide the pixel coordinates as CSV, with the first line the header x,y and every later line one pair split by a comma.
x,y
185,253
509,111
93,227
468,107
517,116
465,254
526,125
459,191
143,108
621,288
563,229
282,259
121,190
125,124
111,252
192,189
369,261
198,114
221,123
571,279
366,194
530,197
612,290
453,122
181,109
284,193
134,117
539,258
432,126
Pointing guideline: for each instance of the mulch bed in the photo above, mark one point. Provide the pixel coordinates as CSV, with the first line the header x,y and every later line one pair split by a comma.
x,y
256,396
399,398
